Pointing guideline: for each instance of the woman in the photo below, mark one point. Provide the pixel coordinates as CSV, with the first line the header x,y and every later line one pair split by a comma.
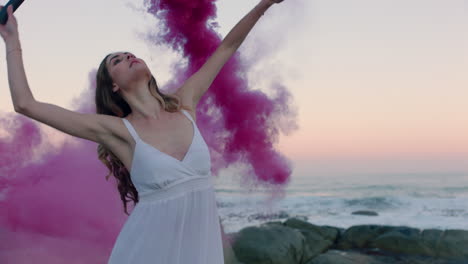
x,y
166,174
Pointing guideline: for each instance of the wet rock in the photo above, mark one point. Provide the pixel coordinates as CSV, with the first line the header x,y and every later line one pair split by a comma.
x,y
318,239
269,244
296,241
344,257
365,212
270,216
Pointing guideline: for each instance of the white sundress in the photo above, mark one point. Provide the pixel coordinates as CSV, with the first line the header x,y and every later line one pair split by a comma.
x,y
176,219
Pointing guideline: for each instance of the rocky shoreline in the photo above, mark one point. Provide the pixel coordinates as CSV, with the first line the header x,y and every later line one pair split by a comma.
x,y
295,241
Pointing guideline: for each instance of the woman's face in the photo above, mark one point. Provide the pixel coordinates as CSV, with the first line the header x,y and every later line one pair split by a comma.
x,y
126,70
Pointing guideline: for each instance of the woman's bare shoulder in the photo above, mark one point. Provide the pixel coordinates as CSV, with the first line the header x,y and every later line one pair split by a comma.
x,y
118,131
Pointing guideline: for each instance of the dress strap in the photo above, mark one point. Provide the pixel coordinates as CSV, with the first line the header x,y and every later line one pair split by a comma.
x,y
187,115
131,129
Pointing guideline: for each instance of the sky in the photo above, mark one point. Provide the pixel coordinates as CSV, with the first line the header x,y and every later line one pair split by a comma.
x,y
379,86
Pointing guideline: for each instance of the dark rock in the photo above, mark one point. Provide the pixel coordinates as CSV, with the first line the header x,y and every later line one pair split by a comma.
x,y
404,240
264,216
401,240
327,232
273,223
318,239
362,257
301,242
365,212
360,236
269,244
229,255
449,244
453,244
300,217
431,237
344,257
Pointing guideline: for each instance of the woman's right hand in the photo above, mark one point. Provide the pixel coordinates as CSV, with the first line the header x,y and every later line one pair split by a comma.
x,y
9,31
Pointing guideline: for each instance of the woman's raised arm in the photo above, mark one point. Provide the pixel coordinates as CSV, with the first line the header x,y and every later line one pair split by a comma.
x,y
20,92
197,85
94,127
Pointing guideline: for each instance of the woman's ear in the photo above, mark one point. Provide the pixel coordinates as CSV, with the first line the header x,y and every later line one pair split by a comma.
x,y
115,87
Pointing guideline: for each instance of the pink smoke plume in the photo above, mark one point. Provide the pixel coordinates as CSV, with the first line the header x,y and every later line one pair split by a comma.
x,y
60,208
240,124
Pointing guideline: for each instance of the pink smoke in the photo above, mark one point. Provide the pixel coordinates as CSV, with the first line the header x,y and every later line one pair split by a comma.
x,y
240,124
60,209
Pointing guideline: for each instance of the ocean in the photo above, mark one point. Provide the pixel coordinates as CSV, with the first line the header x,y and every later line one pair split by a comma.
x,y
424,200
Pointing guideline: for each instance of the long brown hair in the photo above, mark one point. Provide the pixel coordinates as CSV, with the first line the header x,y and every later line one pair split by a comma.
x,y
112,103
